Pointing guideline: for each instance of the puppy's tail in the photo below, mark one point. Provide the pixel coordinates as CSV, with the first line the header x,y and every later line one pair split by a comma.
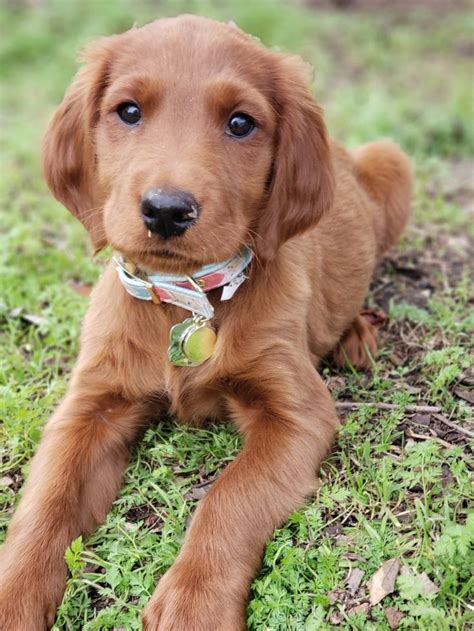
x,y
385,172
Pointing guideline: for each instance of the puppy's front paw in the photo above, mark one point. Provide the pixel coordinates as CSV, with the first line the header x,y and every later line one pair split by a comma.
x,y
29,595
21,611
189,601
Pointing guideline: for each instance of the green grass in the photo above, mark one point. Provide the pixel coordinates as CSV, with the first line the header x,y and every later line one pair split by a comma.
x,y
398,484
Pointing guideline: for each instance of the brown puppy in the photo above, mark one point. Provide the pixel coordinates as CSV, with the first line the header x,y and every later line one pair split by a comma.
x,y
200,109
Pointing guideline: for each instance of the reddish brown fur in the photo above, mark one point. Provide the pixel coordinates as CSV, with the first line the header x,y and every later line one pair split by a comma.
x,y
318,218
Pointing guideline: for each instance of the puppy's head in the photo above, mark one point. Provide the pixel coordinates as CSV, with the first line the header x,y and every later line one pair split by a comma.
x,y
181,141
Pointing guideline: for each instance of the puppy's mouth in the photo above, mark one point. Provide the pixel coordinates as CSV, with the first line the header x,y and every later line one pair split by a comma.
x,y
170,255
165,260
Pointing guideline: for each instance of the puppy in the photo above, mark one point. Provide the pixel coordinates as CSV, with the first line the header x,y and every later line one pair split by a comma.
x,y
245,240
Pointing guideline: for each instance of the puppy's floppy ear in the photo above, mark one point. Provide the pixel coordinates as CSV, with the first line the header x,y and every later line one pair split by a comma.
x,y
68,150
302,183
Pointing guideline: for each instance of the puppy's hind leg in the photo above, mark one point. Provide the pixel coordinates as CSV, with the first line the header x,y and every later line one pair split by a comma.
x,y
358,345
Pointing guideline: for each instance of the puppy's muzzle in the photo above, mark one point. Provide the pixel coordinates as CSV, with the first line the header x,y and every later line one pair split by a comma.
x,y
169,212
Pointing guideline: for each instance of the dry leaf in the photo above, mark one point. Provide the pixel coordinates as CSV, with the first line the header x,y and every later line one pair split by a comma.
x,y
353,556
336,618
396,360
31,318
412,389
354,579
422,419
362,608
465,393
382,582
447,478
199,491
394,617
424,583
130,526
467,377
154,523
428,587
335,383
335,595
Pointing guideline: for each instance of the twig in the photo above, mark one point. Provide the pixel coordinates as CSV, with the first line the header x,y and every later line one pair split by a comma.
x,y
203,484
353,405
458,428
412,434
404,512
382,287
347,515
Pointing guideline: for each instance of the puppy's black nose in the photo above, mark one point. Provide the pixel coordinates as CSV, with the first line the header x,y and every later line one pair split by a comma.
x,y
169,212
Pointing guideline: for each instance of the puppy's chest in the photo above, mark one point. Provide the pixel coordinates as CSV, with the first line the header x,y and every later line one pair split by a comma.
x,y
192,394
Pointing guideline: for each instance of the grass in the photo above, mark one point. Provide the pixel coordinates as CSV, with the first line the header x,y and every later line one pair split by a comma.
x,y
398,484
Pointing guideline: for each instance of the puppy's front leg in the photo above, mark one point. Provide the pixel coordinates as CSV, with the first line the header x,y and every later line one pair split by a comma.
x,y
73,480
289,422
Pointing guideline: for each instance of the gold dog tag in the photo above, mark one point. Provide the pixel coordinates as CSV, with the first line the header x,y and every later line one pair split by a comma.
x,y
192,342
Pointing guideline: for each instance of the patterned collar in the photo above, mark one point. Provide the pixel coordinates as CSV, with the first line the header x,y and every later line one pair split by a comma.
x,y
188,292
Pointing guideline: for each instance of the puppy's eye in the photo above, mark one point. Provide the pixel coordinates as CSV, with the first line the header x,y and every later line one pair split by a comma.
x,y
240,125
129,113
